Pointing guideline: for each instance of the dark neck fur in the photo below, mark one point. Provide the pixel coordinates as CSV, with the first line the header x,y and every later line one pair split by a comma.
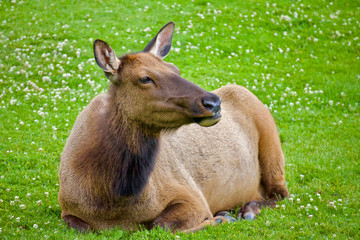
x,y
129,164
121,162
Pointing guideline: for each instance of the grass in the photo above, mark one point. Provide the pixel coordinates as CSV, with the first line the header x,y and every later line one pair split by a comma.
x,y
301,58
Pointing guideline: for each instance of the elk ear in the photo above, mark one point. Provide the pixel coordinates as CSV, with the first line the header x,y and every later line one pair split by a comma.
x,y
160,45
106,59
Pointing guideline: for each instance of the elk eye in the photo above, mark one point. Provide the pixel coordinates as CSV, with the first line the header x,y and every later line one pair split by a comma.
x,y
145,80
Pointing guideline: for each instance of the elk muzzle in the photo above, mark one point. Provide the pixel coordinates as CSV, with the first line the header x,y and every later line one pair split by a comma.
x,y
211,103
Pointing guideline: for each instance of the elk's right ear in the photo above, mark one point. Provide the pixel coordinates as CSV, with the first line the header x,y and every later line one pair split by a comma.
x,y
106,59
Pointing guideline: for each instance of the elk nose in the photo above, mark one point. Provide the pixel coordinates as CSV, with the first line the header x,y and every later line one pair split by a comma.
x,y
212,104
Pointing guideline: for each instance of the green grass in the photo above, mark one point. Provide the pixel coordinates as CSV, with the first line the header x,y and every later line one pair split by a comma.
x,y
301,58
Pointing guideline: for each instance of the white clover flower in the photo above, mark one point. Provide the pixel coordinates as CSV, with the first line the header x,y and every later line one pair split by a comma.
x,y
38,202
46,194
35,226
291,199
12,203
22,206
28,195
298,200
310,216
46,79
286,18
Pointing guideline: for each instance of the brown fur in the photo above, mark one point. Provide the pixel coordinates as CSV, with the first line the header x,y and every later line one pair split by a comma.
x,y
121,165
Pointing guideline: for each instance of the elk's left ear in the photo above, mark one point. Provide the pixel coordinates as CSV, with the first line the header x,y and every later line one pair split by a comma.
x,y
160,45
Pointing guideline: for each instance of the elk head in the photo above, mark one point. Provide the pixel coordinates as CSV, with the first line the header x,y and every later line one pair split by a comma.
x,y
150,92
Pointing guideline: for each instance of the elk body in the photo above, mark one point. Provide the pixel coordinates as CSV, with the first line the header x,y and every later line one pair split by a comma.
x,y
153,151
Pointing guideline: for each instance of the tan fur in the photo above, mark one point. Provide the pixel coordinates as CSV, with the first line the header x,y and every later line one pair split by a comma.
x,y
204,169
198,171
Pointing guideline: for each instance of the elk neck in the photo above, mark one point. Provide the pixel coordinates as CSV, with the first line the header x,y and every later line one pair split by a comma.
x,y
131,152
123,159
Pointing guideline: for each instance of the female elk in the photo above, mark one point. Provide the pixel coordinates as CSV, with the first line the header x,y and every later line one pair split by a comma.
x,y
133,157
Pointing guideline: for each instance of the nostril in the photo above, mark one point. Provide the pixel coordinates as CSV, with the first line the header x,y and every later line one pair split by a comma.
x,y
212,105
208,104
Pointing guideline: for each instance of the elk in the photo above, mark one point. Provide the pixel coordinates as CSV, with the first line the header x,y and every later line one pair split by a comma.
x,y
157,150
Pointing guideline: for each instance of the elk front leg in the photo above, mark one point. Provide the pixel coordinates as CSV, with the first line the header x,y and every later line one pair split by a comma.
x,y
186,216
220,217
207,222
181,215
76,223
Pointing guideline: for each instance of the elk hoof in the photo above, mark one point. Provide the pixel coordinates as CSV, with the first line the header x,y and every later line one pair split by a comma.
x,y
218,220
223,213
249,216
229,218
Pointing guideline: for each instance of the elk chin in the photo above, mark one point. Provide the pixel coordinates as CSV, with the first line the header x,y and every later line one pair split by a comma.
x,y
208,121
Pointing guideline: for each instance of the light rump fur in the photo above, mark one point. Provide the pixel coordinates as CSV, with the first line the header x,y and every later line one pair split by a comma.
x,y
133,157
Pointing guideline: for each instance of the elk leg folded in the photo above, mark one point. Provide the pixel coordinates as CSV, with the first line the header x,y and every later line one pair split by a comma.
x,y
77,223
208,222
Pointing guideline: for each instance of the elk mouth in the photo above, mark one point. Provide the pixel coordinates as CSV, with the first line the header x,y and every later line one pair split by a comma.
x,y
208,121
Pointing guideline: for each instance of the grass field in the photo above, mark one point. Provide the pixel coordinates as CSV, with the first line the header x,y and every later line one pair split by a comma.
x,y
301,58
